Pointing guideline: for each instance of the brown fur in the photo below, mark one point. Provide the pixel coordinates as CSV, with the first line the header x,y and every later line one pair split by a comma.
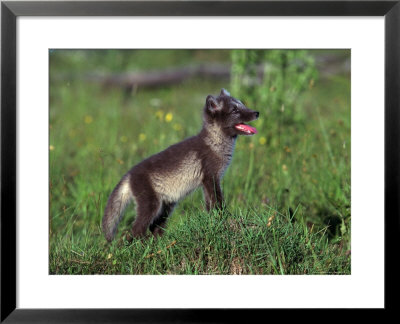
x,y
160,181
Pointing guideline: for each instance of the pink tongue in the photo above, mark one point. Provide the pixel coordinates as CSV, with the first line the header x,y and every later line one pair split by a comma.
x,y
246,128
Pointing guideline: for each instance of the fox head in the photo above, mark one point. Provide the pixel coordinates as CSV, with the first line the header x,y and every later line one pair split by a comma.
x,y
230,114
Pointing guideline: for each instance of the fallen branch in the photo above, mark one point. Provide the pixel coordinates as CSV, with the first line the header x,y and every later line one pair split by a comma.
x,y
157,78
326,64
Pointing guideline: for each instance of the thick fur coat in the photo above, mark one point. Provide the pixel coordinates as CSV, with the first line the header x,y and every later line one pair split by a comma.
x,y
157,183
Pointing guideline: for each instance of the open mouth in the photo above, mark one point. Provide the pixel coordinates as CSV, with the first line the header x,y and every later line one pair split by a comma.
x,y
246,129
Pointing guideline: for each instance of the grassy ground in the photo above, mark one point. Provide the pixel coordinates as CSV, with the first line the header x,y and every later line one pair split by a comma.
x,y
287,189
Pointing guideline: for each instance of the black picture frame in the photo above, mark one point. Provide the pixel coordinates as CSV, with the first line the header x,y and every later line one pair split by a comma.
x,y
10,10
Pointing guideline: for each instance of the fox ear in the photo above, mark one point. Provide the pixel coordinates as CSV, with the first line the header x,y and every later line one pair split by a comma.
x,y
212,103
224,92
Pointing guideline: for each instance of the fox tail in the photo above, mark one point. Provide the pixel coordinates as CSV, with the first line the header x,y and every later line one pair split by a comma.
x,y
116,204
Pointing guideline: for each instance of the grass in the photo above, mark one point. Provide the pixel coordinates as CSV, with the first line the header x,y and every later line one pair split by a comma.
x,y
234,242
287,189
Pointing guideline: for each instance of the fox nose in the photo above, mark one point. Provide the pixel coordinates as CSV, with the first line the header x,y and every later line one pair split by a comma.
x,y
257,114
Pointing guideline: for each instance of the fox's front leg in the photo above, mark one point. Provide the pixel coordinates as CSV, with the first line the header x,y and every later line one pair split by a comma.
x,y
213,193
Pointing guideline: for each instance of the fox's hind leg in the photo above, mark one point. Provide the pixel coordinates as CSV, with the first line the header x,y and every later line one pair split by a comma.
x,y
148,206
158,224
146,211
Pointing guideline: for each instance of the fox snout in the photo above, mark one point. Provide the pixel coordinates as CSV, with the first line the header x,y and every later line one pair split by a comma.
x,y
249,115
252,115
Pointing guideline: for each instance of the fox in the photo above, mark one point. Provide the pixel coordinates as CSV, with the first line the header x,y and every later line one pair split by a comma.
x,y
159,182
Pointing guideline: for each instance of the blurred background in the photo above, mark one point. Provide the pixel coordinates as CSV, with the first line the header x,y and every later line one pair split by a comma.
x,y
109,109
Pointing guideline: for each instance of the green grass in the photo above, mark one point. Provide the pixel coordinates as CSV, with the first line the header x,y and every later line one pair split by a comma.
x,y
297,172
236,242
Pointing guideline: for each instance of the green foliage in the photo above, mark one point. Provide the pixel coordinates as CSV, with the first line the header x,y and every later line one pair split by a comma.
x,y
299,129
274,79
297,169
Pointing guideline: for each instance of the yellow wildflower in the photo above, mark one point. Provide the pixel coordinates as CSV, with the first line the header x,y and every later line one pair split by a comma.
x,y
168,117
142,137
262,140
88,119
